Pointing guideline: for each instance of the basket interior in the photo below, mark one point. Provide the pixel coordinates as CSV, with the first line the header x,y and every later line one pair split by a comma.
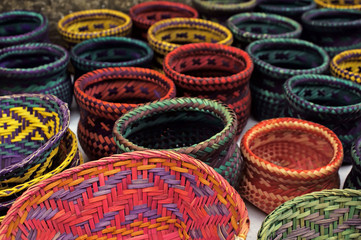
x,y
88,24
264,26
351,63
28,59
18,25
160,12
335,17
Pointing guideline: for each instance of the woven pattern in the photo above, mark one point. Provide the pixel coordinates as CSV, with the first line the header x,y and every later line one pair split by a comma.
x,y
105,94
288,157
202,128
353,179
347,65
292,9
140,195
339,4
330,214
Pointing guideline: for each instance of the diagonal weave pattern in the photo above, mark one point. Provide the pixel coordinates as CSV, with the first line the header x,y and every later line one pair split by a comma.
x,y
347,65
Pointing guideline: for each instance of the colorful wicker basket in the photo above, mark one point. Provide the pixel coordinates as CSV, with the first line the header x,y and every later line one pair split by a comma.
x,y
329,214
35,68
288,157
353,180
275,61
214,71
347,65
105,94
18,27
339,4
79,26
139,195
105,52
204,129
292,9
147,13
166,35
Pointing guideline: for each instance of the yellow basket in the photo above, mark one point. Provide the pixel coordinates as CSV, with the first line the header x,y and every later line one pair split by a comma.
x,y
339,4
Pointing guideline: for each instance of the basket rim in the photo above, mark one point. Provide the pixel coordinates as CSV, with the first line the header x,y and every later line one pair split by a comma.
x,y
336,60
283,9
308,18
212,6
325,4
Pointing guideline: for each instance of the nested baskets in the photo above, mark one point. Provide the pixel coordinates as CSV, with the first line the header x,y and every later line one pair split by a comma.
x,y
35,68
18,27
275,61
105,94
329,214
139,195
213,71
347,65
353,180
288,157
339,4
204,129
105,52
292,9
79,26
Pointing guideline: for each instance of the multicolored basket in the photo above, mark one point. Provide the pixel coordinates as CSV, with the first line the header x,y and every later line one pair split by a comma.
x,y
330,101
213,71
31,127
329,214
138,195
286,158
105,94
204,129
79,26
147,13
339,4
166,35
105,52
347,65
275,61
292,9
353,180
18,27
35,68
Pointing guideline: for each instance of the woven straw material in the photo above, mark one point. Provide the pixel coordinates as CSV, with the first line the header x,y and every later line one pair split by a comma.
x,y
139,195
204,129
339,4
17,27
330,214
353,180
79,26
105,94
292,9
347,65
288,157
213,71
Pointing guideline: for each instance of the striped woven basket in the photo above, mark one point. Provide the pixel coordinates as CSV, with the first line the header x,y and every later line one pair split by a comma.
x,y
347,65
18,27
353,180
213,71
329,214
105,94
31,127
288,157
35,68
204,129
139,195
292,9
339,4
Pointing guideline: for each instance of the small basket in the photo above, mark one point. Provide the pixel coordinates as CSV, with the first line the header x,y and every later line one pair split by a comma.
x,y
105,52
213,71
39,68
347,65
329,214
286,158
166,35
31,127
353,180
105,94
275,61
339,4
79,26
204,129
140,195
292,9
18,27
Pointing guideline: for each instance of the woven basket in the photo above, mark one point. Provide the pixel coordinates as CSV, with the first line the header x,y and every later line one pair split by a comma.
x,y
347,65
353,180
202,128
275,61
330,214
288,157
79,26
339,4
105,52
213,71
166,35
18,27
35,68
140,195
292,9
105,94
147,13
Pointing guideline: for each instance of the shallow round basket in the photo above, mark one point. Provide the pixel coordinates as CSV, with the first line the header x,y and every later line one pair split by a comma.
x,y
339,4
288,157
79,26
347,65
105,52
39,68
105,94
213,71
204,129
329,214
353,179
139,195
166,35
292,9
275,60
